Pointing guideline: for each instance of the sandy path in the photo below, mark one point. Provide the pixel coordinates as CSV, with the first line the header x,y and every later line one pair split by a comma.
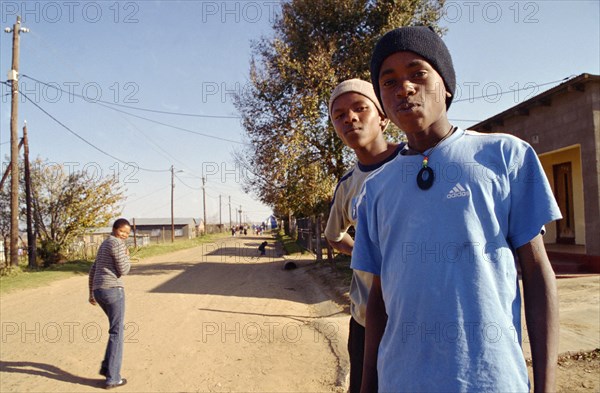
x,y
208,319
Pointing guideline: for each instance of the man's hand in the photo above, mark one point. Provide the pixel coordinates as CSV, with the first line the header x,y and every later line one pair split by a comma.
x,y
92,300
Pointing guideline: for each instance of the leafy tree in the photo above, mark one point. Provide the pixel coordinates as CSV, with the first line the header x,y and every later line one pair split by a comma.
x,y
67,203
292,148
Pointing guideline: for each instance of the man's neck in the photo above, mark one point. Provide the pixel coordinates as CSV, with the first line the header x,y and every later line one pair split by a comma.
x,y
375,154
426,139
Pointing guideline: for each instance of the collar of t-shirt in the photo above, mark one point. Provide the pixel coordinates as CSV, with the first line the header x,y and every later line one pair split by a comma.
x,y
372,167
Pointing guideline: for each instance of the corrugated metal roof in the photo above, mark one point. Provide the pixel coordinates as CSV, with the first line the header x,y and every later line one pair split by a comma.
x,y
540,99
163,221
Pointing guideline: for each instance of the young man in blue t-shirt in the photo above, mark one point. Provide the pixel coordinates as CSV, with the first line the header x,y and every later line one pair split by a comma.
x,y
444,308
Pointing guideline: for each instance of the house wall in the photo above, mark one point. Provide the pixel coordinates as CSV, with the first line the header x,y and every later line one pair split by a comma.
x,y
572,118
164,232
572,155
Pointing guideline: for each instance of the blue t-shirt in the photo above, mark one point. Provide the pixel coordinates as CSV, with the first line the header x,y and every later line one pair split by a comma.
x,y
446,261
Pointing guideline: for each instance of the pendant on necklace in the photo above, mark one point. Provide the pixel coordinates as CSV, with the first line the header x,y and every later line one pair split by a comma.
x,y
425,176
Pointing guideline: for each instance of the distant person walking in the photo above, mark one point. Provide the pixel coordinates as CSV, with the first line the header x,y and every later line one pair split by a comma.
x,y
106,290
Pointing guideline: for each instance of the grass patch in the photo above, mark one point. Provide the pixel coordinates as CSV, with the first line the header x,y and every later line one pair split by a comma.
x,y
165,248
289,245
22,277
341,264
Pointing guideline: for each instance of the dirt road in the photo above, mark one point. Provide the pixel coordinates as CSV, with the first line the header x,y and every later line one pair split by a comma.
x,y
215,319
208,319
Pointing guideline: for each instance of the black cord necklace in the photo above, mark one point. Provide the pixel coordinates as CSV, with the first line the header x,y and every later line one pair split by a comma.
x,y
425,177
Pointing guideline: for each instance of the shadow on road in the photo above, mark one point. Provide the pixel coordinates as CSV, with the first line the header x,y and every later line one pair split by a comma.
x,y
262,314
48,371
241,279
139,269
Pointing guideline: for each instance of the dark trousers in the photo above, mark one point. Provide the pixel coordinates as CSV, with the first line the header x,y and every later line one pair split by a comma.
x,y
112,301
356,349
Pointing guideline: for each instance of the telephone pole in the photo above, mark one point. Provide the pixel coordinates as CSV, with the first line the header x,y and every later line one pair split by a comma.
x,y
230,223
220,221
13,75
172,191
31,254
204,203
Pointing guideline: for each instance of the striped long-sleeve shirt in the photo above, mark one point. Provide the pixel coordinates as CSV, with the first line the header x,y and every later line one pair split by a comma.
x,y
111,263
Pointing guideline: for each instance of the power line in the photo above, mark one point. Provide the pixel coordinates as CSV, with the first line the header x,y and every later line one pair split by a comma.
x,y
172,126
147,195
86,141
505,92
137,108
109,105
154,145
187,185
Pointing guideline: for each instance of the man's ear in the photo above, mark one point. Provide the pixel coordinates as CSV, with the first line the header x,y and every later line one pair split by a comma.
x,y
383,122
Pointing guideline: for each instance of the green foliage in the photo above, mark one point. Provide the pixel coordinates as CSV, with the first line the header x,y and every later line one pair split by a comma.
x,y
294,153
290,246
163,248
49,252
67,204
21,277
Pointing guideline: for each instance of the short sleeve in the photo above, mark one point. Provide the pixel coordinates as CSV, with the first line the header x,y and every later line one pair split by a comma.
x,y
366,255
336,224
532,203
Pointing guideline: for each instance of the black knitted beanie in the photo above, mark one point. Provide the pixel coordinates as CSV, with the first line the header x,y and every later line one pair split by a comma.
x,y
424,42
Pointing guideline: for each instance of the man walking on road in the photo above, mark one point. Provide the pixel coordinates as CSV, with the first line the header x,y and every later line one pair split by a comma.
x,y
106,290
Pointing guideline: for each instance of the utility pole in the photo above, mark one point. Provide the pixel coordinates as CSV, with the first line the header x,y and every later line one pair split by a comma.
x,y
230,223
9,168
30,232
220,221
172,190
134,235
13,75
204,203
240,211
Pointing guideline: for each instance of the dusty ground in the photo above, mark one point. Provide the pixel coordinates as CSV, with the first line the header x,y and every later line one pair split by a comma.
x,y
209,319
579,348
213,319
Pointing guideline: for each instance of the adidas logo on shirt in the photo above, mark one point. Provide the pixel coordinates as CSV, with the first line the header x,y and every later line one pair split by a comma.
x,y
458,191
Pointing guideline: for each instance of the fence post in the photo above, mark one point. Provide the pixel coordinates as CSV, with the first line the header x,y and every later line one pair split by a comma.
x,y
319,250
309,227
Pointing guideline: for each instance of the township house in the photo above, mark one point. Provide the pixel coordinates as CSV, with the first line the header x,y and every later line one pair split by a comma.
x,y
147,230
563,126
159,229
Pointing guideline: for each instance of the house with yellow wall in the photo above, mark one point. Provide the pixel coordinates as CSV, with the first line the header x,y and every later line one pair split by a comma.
x,y
563,126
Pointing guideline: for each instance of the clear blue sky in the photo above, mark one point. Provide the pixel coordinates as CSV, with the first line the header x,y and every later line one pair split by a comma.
x,y
188,56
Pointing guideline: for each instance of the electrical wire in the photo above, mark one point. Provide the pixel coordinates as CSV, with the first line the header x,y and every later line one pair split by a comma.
x,y
506,92
86,141
137,108
147,195
187,185
172,126
109,105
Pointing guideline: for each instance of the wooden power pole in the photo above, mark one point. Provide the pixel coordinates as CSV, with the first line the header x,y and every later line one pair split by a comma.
x,y
172,191
13,76
31,236
204,203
